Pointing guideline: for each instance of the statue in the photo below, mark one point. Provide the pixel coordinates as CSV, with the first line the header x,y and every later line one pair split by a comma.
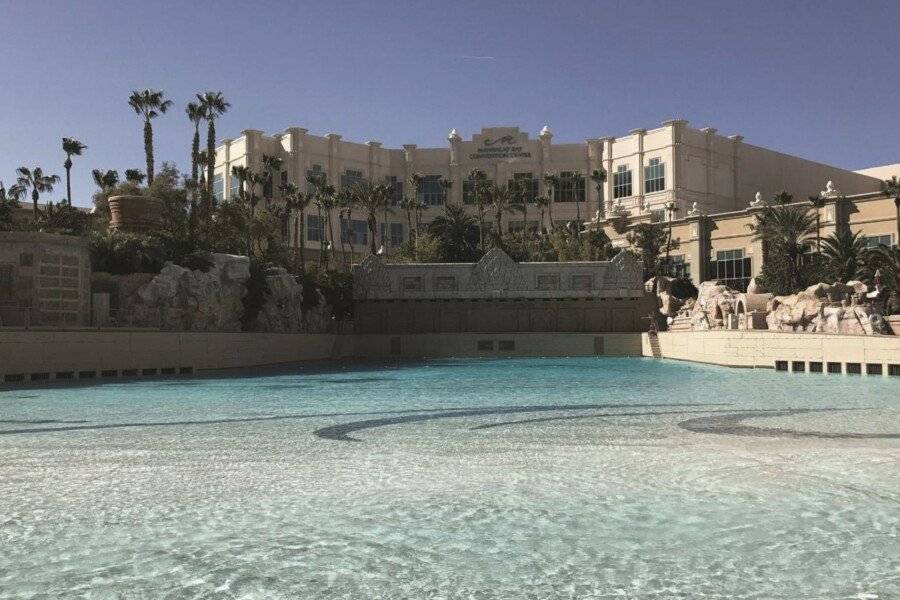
x,y
757,200
830,191
694,210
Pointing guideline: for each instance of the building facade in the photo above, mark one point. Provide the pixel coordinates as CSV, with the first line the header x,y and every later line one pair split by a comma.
x,y
647,170
721,246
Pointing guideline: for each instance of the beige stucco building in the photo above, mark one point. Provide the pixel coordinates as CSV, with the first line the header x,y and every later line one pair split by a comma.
x,y
647,169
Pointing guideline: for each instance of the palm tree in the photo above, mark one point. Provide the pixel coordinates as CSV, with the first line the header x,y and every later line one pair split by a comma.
x,y
845,254
577,181
296,201
542,203
373,198
213,106
502,200
782,198
272,168
817,202
891,188
479,184
598,176
9,201
552,181
149,104
37,182
195,114
457,232
71,147
344,199
105,180
783,231
134,176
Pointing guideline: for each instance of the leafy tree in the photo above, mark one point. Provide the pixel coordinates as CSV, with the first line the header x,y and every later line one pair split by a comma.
x,y
885,261
38,183
71,147
135,176
650,240
479,182
844,254
149,104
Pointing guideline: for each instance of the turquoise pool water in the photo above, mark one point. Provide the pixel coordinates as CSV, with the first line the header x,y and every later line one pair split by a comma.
x,y
518,478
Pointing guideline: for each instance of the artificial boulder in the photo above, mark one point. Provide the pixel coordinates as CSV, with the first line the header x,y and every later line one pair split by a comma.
x,y
827,308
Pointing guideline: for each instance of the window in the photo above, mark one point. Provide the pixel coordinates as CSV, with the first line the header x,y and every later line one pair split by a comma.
x,y
548,282
351,178
622,182
445,284
873,241
676,267
315,228
469,191
315,172
235,186
412,284
654,176
397,187
431,192
732,268
657,215
396,234
218,187
569,189
528,184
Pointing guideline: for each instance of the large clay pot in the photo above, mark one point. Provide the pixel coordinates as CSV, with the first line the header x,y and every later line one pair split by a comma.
x,y
135,213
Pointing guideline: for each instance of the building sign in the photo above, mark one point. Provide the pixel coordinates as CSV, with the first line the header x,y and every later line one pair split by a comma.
x,y
497,143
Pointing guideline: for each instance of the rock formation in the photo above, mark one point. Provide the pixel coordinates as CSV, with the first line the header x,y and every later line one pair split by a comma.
x,y
828,308
181,299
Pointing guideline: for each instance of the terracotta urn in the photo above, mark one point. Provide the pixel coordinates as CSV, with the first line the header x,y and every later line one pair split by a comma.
x,y
135,213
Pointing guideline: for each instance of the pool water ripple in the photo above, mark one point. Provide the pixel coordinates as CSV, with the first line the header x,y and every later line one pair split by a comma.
x,y
518,478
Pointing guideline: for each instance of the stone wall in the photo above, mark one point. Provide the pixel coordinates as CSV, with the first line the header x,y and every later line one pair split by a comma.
x,y
763,348
45,280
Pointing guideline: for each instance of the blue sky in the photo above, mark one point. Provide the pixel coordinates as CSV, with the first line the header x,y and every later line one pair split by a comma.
x,y
815,79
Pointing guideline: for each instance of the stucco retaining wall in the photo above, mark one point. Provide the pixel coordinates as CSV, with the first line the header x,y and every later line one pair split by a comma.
x,y
763,348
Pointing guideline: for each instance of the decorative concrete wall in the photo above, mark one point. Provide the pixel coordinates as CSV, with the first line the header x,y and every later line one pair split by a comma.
x,y
500,295
764,348
98,353
45,279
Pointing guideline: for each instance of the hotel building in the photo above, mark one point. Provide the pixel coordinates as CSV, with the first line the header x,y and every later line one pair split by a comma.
x,y
647,170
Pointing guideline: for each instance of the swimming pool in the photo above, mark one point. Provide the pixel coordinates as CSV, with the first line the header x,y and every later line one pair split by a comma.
x,y
514,478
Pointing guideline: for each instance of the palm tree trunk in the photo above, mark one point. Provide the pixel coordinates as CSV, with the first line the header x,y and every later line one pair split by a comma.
x,y
34,205
345,233
550,212
211,159
301,243
148,149
195,153
69,182
373,225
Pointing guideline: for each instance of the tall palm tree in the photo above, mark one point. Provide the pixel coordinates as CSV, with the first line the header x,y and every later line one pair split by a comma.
x,y
844,253
598,176
479,183
105,180
149,104
891,188
817,202
37,182
272,169
71,147
542,203
577,180
552,182
372,198
213,105
344,199
502,200
195,114
297,202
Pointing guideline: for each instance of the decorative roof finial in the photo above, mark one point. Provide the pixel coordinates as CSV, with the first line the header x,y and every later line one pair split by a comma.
x,y
453,135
